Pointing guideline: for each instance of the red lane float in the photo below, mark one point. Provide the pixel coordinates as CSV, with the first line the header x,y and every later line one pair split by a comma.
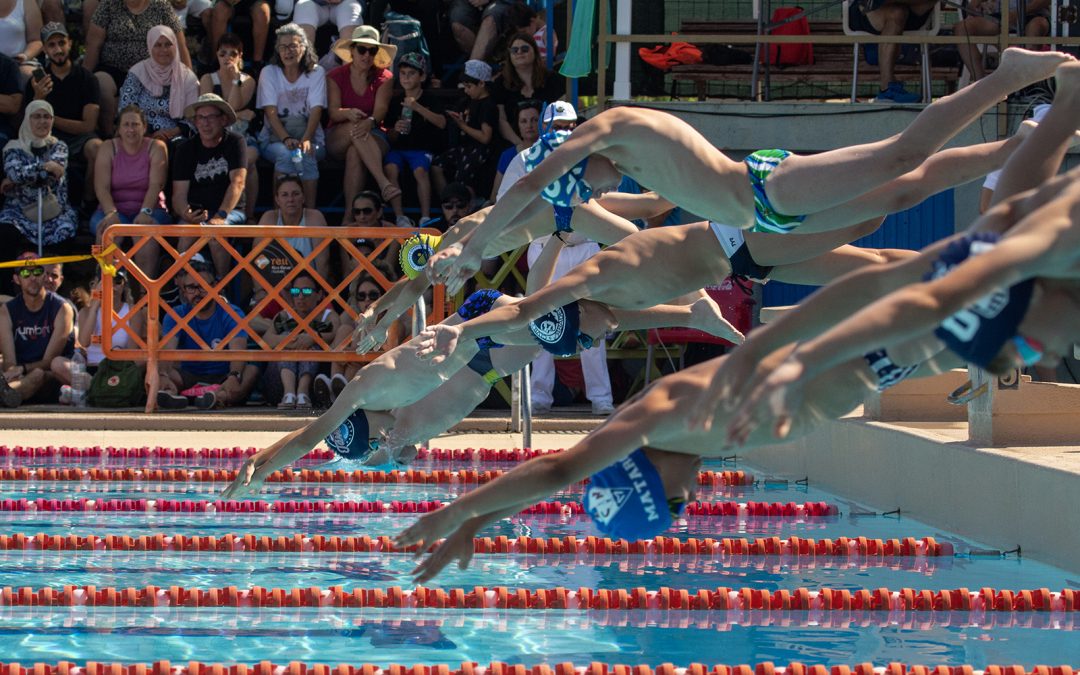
x,y
793,547
499,668
789,510
502,597
407,476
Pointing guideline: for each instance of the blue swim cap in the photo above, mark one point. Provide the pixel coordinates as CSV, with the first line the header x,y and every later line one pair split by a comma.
x,y
562,191
350,440
558,330
415,252
627,501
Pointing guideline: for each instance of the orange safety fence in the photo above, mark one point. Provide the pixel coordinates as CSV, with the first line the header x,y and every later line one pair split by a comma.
x,y
271,261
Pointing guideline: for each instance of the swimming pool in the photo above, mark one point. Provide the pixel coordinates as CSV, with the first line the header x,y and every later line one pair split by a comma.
x,y
171,611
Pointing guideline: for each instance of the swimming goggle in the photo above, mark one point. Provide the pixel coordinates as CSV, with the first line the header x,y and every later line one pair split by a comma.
x,y
1030,350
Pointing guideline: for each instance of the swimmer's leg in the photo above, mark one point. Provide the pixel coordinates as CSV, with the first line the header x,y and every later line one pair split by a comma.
x,y
825,268
704,314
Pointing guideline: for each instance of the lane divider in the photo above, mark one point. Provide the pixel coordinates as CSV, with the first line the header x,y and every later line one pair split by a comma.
x,y
175,475
499,668
795,547
501,597
788,510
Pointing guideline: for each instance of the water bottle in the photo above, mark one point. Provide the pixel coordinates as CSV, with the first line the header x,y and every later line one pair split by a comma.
x,y
78,380
406,117
297,157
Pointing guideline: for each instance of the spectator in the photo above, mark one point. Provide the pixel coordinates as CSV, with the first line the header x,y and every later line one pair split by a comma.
x,y
36,184
983,17
456,201
36,327
73,93
524,78
289,382
359,95
367,211
116,41
890,17
129,181
477,122
417,131
291,210
20,28
258,10
477,25
211,323
11,97
237,88
558,115
345,15
161,86
292,95
199,10
208,173
528,131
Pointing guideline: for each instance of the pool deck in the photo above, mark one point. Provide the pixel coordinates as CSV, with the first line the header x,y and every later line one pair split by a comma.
x,y
1002,497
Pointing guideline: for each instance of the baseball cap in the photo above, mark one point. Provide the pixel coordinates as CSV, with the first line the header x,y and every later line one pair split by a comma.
x,y
627,501
53,28
558,111
477,71
414,60
456,190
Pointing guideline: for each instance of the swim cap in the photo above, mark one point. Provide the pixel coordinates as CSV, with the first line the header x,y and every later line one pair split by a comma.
x,y
415,252
627,501
350,440
562,191
979,331
558,330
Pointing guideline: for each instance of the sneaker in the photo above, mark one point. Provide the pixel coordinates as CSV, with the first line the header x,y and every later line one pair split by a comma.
x,y
8,396
167,401
288,402
338,384
302,401
65,394
322,392
897,94
205,401
602,409
404,221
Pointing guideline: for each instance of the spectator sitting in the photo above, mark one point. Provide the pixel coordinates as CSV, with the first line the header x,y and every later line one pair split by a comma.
x,y
367,211
456,201
558,115
116,41
237,88
36,168
477,25
525,77
36,327
289,382
161,86
528,131
291,210
53,279
73,93
345,15
129,178
11,97
890,17
983,17
462,162
418,130
208,173
197,10
292,96
258,10
211,323
20,27
359,95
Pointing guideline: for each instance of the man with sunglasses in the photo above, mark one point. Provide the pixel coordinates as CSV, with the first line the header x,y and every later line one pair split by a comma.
x,y
457,202
36,327
210,323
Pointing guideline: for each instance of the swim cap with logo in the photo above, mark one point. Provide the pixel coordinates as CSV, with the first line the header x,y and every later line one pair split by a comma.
x,y
415,252
559,331
571,183
627,501
350,440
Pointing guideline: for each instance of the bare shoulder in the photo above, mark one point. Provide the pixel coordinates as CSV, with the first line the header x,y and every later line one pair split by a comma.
x,y
314,218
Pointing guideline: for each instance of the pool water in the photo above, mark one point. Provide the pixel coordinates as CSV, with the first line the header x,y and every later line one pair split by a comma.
x,y
430,636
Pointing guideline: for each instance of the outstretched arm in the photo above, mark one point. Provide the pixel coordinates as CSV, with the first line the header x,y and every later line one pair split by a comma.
x,y
375,321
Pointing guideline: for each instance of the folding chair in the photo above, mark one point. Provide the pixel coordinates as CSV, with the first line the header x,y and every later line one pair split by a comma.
x,y
932,27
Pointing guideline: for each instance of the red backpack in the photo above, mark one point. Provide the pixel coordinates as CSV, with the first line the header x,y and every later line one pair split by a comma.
x,y
792,53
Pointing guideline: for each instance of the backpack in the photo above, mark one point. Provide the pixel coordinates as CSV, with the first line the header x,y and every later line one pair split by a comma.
x,y
405,33
117,384
790,54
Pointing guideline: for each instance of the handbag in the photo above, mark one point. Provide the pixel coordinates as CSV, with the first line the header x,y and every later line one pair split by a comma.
x,y
117,384
50,207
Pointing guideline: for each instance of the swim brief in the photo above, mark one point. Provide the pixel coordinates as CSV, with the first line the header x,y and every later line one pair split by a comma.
x,y
766,218
482,366
743,265
888,373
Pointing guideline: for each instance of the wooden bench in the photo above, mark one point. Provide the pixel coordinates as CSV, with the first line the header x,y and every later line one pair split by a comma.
x,y
832,62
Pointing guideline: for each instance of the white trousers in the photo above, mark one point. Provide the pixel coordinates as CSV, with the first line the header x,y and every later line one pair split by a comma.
x,y
593,361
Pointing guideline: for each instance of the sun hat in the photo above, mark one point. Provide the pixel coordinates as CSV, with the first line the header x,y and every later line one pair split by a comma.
x,y
365,35
211,100
477,71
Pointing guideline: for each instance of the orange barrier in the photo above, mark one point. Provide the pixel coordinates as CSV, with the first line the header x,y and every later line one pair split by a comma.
x,y
499,668
502,597
793,547
269,246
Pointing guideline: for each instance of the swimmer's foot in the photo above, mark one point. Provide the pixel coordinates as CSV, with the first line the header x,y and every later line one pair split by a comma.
x,y
705,315
1021,67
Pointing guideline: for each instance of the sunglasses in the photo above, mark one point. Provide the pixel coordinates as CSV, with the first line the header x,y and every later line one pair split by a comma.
x,y
523,49
368,295
28,272
228,53
370,51
294,291
454,206
363,211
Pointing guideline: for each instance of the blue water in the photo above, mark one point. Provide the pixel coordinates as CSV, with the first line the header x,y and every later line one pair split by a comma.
x,y
386,636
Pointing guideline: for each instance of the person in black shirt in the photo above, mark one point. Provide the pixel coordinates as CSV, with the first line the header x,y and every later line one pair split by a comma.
x,y
477,123
417,130
524,78
11,97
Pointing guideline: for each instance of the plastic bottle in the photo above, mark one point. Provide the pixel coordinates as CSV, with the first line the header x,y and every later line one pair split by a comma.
x,y
78,380
406,117
298,161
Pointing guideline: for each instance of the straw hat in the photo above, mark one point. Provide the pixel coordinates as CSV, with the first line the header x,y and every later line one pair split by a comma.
x,y
211,100
365,35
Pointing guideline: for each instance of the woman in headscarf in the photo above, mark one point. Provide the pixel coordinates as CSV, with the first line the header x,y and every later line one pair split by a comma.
x,y
161,85
35,163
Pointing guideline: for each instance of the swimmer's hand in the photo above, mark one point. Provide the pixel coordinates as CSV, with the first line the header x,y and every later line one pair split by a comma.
x,y
369,337
436,343
458,546
453,266
775,399
248,481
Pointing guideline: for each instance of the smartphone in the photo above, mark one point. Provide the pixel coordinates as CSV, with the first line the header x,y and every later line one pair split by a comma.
x,y
39,74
